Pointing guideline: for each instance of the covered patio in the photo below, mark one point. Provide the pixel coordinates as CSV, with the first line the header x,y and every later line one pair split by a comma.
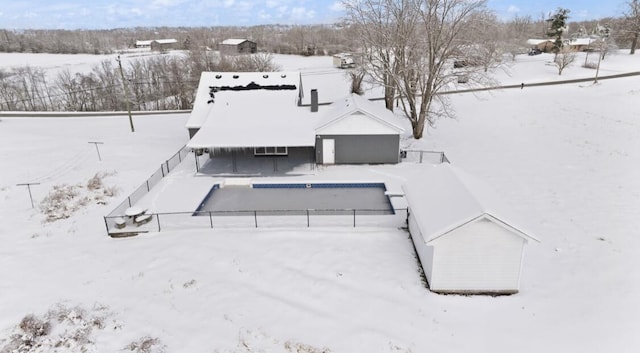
x,y
245,162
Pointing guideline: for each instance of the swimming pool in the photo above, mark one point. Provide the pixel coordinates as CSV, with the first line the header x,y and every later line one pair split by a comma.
x,y
319,198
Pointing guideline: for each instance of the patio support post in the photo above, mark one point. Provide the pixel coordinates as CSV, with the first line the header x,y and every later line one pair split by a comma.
x,y
158,220
307,218
354,218
421,152
255,218
211,219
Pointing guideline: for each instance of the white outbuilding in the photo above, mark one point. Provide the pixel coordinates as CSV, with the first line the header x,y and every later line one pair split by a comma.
x,y
467,240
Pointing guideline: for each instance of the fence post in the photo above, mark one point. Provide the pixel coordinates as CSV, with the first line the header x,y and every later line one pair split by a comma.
x,y
168,170
179,157
441,157
255,218
148,188
421,156
129,198
162,170
211,219
354,218
307,218
158,219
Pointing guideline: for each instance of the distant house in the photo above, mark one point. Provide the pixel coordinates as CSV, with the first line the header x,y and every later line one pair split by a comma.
x,y
545,45
163,44
582,44
466,239
238,46
248,115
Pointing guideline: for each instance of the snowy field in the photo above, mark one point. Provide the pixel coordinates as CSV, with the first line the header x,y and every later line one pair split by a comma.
x,y
567,158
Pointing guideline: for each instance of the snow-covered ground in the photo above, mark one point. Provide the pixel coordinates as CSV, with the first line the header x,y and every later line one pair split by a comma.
x,y
565,157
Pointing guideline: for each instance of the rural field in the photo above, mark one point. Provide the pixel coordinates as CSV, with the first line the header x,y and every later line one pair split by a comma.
x,y
565,157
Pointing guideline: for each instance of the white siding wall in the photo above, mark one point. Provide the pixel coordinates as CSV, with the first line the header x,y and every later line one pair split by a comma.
x,y
425,253
481,256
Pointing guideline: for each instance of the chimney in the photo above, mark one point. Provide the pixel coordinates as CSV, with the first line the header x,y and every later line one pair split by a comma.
x,y
314,100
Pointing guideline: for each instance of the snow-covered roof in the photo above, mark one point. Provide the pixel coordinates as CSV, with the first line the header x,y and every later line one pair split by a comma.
x,y
201,107
232,41
355,105
581,41
538,41
161,41
257,118
443,198
165,41
250,109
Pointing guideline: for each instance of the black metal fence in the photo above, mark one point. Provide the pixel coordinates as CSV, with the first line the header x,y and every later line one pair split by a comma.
x,y
258,219
164,169
420,156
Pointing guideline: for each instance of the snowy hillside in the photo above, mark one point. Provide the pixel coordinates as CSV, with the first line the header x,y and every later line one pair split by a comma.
x,y
566,157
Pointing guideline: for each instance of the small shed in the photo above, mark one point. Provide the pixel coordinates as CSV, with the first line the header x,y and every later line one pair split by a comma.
x,y
238,46
466,239
357,131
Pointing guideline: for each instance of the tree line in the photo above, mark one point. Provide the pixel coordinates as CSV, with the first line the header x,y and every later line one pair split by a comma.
x,y
162,82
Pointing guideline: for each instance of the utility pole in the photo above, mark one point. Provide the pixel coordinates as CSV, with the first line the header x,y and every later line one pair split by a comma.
x,y
126,94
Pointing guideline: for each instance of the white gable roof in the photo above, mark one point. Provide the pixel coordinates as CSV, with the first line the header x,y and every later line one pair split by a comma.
x,y
143,42
357,115
443,198
234,41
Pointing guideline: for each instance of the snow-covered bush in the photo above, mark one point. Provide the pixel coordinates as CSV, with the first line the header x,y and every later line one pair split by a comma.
x,y
66,199
64,329
146,345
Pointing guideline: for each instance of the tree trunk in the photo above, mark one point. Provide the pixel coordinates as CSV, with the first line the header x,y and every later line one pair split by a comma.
x,y
389,93
418,128
634,43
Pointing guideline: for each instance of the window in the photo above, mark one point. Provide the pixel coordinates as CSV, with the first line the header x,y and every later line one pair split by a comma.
x,y
270,151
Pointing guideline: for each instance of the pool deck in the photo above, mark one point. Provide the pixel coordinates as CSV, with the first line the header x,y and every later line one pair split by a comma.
x,y
184,189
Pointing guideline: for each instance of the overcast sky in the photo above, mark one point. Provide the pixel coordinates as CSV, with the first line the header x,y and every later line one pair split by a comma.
x,y
103,14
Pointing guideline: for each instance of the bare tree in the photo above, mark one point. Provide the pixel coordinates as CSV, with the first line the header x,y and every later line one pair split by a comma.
x,y
631,22
486,40
357,76
518,30
563,59
408,45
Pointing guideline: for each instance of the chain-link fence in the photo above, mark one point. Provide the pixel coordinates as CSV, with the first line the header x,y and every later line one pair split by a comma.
x,y
164,170
419,156
157,222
